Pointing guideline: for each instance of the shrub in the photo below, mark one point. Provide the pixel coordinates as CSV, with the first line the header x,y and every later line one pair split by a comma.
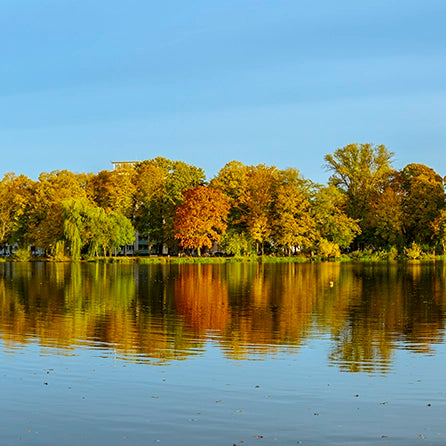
x,y
22,255
327,249
414,252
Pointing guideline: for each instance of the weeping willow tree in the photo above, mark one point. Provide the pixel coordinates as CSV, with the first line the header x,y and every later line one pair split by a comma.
x,y
75,214
90,228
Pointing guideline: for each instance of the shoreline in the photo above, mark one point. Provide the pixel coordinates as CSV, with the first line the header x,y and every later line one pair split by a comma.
x,y
159,260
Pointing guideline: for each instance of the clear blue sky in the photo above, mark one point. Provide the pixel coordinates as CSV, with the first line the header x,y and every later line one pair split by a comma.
x,y
278,82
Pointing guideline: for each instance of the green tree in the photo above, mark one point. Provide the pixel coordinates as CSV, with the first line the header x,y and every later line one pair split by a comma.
x,y
423,199
332,223
361,171
232,180
386,216
120,229
45,223
150,184
236,243
75,216
438,227
113,190
293,224
14,196
88,227
171,179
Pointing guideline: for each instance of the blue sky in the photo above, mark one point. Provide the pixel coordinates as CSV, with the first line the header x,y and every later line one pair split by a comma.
x,y
83,83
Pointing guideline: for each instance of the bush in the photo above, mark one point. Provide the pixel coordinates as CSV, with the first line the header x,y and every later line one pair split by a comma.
x,y
414,252
22,255
327,249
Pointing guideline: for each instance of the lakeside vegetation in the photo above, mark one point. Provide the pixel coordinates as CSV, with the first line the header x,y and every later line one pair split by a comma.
x,y
367,211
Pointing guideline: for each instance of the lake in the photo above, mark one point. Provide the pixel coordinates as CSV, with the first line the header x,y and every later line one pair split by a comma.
x,y
222,354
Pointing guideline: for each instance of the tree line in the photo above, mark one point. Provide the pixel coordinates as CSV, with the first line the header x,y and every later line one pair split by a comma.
x,y
256,209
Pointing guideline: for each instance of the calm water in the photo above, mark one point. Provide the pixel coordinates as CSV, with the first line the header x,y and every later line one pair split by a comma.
x,y
243,354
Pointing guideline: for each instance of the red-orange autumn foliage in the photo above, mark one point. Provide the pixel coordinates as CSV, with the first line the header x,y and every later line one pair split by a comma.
x,y
201,218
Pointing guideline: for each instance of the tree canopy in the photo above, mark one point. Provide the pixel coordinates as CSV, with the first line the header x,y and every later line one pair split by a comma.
x,y
246,209
201,218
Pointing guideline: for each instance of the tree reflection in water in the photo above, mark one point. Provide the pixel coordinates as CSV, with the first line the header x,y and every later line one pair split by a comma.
x,y
160,312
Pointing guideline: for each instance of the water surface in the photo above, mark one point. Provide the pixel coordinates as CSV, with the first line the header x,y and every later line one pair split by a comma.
x,y
222,354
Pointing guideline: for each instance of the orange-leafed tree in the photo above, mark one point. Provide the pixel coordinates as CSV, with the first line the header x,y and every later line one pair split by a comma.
x,y
200,219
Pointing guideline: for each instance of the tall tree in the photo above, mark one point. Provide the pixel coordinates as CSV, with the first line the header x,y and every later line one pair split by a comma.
x,y
88,227
172,178
293,224
386,216
256,203
14,196
423,199
438,227
75,216
150,183
201,218
113,190
45,216
361,171
232,180
120,231
332,223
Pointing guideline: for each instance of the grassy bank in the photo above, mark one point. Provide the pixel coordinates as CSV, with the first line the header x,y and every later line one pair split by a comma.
x,y
357,256
200,260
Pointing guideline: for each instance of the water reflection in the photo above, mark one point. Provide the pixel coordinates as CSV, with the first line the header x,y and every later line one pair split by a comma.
x,y
162,312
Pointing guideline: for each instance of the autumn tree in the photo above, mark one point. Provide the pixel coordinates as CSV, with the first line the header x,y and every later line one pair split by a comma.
x,y
75,214
150,182
361,171
201,218
438,227
113,190
14,195
332,223
45,225
423,199
293,224
232,180
160,186
386,216
89,228
256,203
